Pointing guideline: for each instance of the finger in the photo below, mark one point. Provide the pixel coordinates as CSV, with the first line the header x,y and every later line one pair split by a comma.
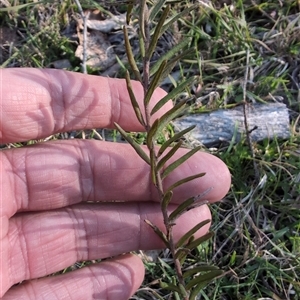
x,y
36,103
53,175
113,279
38,244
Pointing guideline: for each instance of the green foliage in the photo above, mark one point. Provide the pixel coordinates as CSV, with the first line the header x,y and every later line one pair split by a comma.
x,y
183,287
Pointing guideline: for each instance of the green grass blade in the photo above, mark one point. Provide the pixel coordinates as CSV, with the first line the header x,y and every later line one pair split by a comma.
x,y
172,94
179,161
18,7
134,144
189,234
177,16
156,9
187,179
170,54
133,100
176,136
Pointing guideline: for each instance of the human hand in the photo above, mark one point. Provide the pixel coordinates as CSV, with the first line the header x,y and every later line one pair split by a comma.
x,y
71,200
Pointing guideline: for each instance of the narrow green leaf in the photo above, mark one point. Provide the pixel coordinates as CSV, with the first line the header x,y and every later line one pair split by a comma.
x,y
172,94
176,136
158,32
170,154
158,232
181,208
165,119
178,162
156,9
142,45
189,234
133,100
134,144
154,83
181,254
177,16
205,278
166,200
142,18
183,291
129,12
17,7
153,167
200,240
187,179
169,286
199,269
130,55
152,133
172,63
170,54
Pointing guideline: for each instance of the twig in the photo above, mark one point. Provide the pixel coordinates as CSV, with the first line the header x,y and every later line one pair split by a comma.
x,y
84,40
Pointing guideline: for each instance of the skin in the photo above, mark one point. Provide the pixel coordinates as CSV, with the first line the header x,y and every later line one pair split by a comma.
x,y
70,200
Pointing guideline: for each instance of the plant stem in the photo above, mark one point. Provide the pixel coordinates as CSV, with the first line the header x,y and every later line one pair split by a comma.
x,y
153,155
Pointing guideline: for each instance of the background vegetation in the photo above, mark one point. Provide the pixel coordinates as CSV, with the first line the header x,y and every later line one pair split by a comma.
x,y
257,226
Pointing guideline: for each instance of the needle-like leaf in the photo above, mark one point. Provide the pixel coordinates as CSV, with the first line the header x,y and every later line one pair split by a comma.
x,y
200,240
169,286
172,94
166,200
192,231
152,133
181,208
158,232
170,154
204,278
158,31
134,144
169,116
184,180
130,56
133,100
174,138
178,162
129,12
154,82
199,269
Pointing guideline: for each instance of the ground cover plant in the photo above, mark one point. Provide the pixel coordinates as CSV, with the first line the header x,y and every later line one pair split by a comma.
x,y
256,241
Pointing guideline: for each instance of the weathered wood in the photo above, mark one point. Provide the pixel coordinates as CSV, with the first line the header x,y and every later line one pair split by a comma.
x,y
224,125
